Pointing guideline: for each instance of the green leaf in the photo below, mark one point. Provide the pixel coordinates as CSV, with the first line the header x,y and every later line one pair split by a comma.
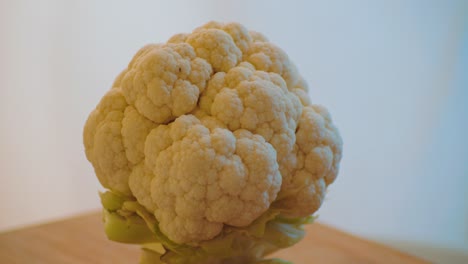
x,y
111,201
127,229
127,221
156,247
284,232
267,234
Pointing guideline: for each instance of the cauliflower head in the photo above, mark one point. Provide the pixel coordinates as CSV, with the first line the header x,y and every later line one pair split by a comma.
x,y
208,133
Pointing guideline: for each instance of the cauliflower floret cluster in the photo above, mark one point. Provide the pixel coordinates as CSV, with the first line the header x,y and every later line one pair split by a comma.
x,y
212,129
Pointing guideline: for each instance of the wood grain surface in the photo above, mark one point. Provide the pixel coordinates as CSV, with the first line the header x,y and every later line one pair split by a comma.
x,y
82,240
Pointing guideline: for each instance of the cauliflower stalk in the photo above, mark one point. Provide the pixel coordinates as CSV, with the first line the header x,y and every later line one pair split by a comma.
x,y
210,149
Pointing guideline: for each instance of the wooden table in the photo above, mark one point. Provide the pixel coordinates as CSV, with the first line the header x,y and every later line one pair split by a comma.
x,y
82,240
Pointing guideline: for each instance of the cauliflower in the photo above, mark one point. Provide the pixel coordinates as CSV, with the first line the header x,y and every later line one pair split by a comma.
x,y
210,149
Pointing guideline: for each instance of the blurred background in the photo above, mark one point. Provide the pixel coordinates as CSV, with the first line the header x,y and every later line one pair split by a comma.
x,y
394,75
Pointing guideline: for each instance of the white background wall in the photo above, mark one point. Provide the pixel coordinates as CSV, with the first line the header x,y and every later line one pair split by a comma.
x,y
394,75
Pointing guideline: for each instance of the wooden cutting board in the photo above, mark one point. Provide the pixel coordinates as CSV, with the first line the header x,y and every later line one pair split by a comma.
x,y
82,240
